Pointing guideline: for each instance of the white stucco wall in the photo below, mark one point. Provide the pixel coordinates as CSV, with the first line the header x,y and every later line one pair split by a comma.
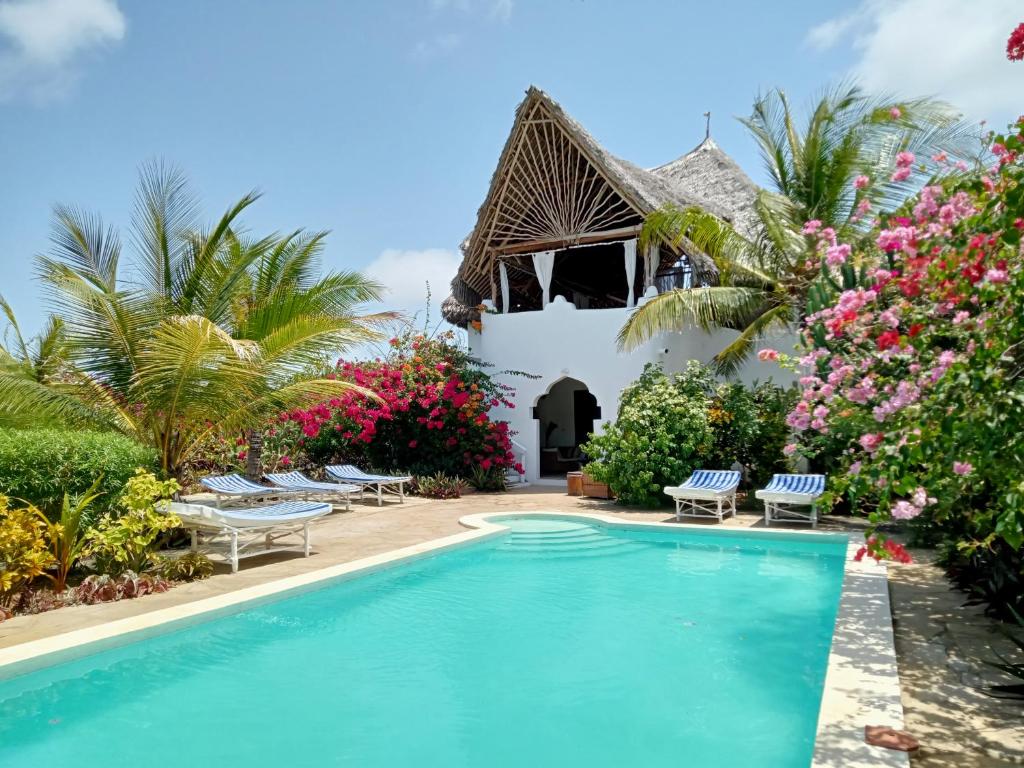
x,y
561,341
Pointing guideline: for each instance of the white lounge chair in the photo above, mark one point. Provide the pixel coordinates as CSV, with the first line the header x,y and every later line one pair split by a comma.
x,y
296,481
250,532
785,492
380,484
235,486
705,493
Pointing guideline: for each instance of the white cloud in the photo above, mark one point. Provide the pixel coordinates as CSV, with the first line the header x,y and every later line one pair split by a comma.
x,y
405,275
41,42
949,48
437,45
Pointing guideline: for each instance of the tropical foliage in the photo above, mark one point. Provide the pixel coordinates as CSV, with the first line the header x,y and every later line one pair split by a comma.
x,y
23,551
128,541
207,330
668,426
818,172
913,383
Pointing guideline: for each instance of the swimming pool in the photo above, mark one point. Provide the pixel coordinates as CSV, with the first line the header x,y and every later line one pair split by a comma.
x,y
560,642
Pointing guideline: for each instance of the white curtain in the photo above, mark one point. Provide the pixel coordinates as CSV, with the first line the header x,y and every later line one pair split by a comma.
x,y
503,272
629,248
650,266
543,265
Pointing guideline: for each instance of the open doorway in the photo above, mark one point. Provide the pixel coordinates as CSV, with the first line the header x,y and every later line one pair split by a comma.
x,y
565,416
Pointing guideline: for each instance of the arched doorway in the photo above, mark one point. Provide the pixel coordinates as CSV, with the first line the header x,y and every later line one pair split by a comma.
x,y
565,417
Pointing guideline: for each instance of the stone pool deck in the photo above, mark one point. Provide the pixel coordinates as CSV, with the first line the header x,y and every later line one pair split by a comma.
x,y
942,646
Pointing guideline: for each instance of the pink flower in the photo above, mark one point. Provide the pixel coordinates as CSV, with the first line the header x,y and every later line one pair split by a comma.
x,y
997,276
962,468
789,449
837,254
812,226
768,354
895,113
900,174
904,510
854,468
861,182
871,440
285,461
905,159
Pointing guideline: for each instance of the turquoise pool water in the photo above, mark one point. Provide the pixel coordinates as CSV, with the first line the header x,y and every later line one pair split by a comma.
x,y
559,644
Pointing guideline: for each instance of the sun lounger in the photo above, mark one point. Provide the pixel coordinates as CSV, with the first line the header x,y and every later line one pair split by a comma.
x,y
250,532
379,484
785,492
707,493
235,486
296,481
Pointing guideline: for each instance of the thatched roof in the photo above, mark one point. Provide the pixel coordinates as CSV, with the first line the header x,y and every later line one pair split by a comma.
x,y
716,181
589,193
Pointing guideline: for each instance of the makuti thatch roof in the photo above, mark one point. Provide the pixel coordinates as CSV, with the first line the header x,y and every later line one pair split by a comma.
x,y
555,185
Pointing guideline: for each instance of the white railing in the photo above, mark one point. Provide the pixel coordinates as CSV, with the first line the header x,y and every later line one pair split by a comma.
x,y
519,454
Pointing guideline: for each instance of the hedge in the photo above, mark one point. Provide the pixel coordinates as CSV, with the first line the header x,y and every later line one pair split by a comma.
x,y
39,465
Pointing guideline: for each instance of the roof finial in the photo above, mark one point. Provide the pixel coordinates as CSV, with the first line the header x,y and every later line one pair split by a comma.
x,y
707,126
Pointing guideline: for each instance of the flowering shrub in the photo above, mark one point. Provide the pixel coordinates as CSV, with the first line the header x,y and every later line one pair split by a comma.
x,y
429,413
913,382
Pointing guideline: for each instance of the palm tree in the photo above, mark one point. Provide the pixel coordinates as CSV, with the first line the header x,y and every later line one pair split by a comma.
x,y
206,335
764,276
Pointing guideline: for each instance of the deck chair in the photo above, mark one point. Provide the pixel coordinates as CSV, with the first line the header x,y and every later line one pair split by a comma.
x,y
707,493
249,532
234,486
379,484
786,492
296,481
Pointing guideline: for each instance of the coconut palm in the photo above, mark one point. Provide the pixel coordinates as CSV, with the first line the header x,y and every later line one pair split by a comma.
x,y
207,334
764,275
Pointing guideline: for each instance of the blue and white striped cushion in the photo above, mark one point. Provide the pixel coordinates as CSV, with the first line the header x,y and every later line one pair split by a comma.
x,y
284,511
350,472
805,485
299,482
233,485
712,480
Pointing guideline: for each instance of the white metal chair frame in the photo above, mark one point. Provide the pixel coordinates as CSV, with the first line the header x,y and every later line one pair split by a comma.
x,y
379,485
783,508
241,546
317,491
716,504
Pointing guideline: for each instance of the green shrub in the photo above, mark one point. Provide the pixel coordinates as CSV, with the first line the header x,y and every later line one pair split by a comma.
x,y
661,434
127,541
41,465
668,426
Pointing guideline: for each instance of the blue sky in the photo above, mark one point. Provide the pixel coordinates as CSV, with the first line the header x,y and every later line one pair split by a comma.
x,y
383,121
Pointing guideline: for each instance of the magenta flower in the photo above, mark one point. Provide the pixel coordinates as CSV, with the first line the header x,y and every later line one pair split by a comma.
x,y
861,182
812,226
895,113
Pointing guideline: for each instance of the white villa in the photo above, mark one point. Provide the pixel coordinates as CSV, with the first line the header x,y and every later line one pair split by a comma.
x,y
554,262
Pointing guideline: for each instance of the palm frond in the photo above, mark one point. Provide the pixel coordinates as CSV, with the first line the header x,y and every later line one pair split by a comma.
x,y
728,361
705,308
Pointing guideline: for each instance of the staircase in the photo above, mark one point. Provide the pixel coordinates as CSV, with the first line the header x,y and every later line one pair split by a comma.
x,y
563,539
512,478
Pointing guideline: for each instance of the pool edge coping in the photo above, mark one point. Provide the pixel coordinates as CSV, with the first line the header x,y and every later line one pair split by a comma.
x,y
861,683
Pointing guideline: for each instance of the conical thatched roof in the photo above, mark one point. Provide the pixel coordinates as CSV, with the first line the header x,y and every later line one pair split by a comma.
x,y
716,181
548,154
